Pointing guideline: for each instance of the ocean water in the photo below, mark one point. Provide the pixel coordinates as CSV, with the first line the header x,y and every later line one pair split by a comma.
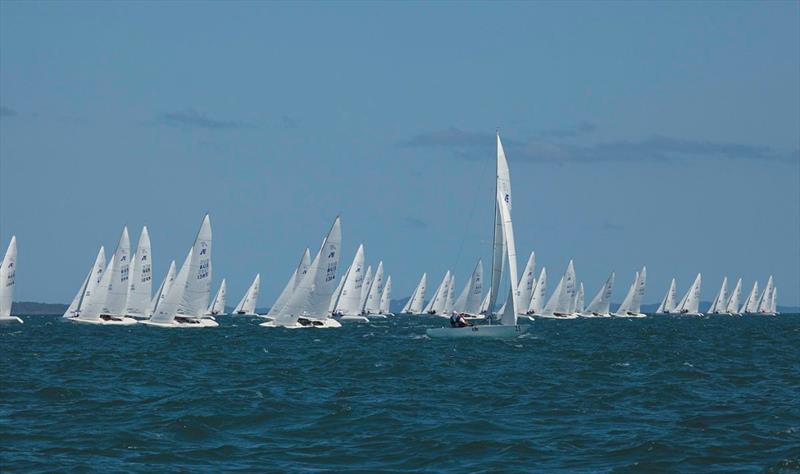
x,y
658,394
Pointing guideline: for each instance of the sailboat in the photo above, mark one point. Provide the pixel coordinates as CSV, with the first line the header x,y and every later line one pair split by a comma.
x,y
690,303
348,305
217,306
186,301
468,302
503,240
8,275
765,303
600,306
386,298
294,281
719,306
166,284
372,304
117,296
631,305
578,305
732,307
140,281
415,303
308,305
560,304
668,303
526,283
247,305
449,300
93,308
437,304
91,282
365,288
539,294
751,303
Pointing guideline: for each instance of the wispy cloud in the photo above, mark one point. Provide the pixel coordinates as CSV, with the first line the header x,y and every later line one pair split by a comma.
x,y
7,111
478,145
414,223
193,119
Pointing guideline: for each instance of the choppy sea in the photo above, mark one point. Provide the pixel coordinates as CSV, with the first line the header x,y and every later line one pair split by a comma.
x,y
661,394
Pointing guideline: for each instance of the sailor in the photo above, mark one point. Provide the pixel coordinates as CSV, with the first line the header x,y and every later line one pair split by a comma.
x,y
457,320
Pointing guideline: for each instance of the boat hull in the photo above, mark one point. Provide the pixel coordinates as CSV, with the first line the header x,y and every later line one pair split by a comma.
x,y
497,332
106,322
308,323
198,323
11,319
629,315
354,319
553,316
593,315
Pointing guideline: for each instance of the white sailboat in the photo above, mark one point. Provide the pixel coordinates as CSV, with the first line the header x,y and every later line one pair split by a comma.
x,y
539,294
719,305
93,305
386,297
118,285
560,304
140,281
773,307
348,305
668,303
751,303
765,302
631,305
508,326
294,280
308,305
416,302
526,283
600,306
186,301
8,278
449,301
690,303
437,304
578,306
217,306
247,305
732,307
166,284
365,288
468,302
91,282
372,305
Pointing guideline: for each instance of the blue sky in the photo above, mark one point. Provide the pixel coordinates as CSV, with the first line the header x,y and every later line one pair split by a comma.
x,y
663,134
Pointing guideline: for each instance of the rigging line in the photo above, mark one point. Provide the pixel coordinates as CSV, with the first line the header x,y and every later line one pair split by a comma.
x,y
469,219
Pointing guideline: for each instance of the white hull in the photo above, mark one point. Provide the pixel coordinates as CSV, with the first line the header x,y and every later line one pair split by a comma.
x,y
525,317
107,322
766,314
594,315
376,316
629,315
305,323
553,316
687,314
193,323
497,331
11,319
354,319
242,313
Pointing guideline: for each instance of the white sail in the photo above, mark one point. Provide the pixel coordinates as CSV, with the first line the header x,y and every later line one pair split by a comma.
x,y
720,302
732,305
312,296
526,283
372,305
539,293
773,307
566,305
626,306
217,305
553,303
140,283
765,302
93,304
638,296
437,303
365,286
691,302
485,303
503,193
118,286
170,301
417,301
601,303
449,301
166,284
8,274
337,292
578,306
248,303
668,303
294,280
195,296
469,301
509,318
386,296
751,303
72,310
350,297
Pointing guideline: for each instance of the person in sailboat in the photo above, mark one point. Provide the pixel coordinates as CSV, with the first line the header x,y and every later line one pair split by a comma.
x,y
457,320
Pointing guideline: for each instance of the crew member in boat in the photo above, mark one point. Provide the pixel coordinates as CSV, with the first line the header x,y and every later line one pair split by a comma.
x,y
458,321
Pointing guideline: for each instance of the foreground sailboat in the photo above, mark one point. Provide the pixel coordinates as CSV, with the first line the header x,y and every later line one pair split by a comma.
x,y
631,305
751,303
415,303
504,240
247,306
186,302
690,303
600,306
720,304
347,307
8,273
308,305
140,281
90,283
732,307
386,298
668,303
767,303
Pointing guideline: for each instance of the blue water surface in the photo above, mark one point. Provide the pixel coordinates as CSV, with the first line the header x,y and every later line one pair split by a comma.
x,y
660,394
